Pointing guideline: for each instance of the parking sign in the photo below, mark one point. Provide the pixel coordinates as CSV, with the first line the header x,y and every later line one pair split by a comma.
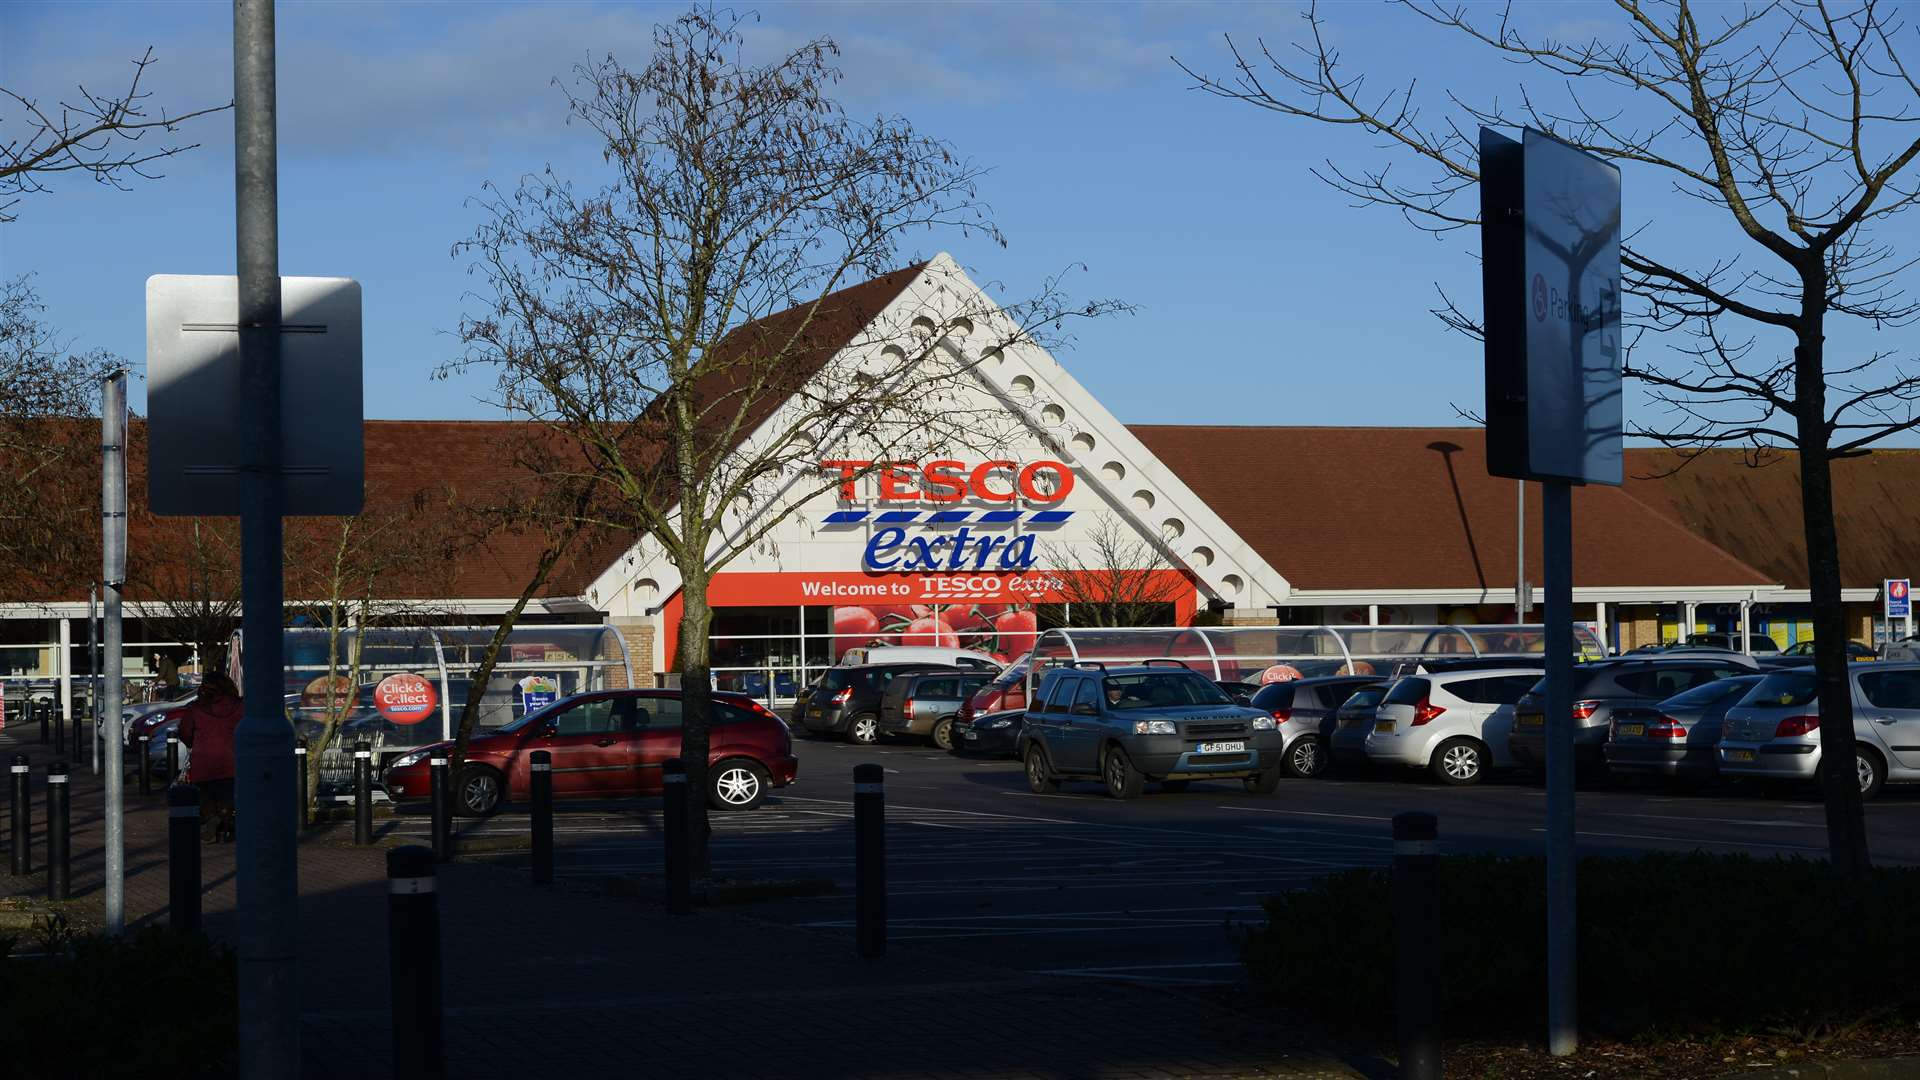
x,y
1899,598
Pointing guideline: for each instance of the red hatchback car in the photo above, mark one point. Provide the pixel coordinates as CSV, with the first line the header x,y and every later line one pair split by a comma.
x,y
611,745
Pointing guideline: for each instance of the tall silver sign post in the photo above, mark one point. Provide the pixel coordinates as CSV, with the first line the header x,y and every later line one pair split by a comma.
x,y
267,880
113,576
93,648
1550,245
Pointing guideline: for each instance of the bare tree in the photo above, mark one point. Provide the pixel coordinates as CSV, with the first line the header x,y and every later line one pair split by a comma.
x,y
102,136
1793,122
689,323
184,584
1112,577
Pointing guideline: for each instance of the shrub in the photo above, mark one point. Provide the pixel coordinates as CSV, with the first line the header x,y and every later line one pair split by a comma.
x,y
1668,943
154,1005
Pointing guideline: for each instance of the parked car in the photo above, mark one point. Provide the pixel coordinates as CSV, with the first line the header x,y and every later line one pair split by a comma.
x,y
846,700
1599,687
1677,737
1127,725
1304,709
1008,690
610,744
927,703
1802,651
1757,644
1773,733
1241,692
1453,723
1352,723
131,714
964,659
991,733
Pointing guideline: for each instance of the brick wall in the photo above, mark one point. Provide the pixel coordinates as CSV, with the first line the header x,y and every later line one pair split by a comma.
x,y
639,637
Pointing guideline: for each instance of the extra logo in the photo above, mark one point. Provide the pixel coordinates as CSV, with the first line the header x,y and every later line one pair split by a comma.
x,y
944,483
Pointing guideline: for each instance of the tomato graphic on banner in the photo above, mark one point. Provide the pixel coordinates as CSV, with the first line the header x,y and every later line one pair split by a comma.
x,y
405,698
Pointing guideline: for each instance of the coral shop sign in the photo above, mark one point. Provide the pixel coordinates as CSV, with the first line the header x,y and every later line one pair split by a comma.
x,y
904,545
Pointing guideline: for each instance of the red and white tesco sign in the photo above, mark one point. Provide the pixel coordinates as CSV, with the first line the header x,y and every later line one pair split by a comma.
x,y
405,698
950,481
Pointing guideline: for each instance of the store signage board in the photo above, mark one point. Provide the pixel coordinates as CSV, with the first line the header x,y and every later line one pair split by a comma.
x,y
1899,593
195,403
1550,236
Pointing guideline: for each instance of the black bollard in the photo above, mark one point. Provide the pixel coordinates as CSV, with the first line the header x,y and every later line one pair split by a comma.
x,y
1416,944
183,858
173,758
870,859
143,766
362,793
34,709
679,858
51,716
300,786
413,950
58,849
20,809
541,770
442,808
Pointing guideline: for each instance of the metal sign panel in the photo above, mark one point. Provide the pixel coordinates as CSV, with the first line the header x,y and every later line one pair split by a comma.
x,y
1551,236
1899,598
194,399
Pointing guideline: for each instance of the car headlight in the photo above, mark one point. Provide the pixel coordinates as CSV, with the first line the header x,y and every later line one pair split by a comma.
x,y
1264,723
1154,727
413,757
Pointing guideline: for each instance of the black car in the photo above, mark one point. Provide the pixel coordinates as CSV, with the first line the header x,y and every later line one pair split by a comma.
x,y
1304,710
846,700
996,733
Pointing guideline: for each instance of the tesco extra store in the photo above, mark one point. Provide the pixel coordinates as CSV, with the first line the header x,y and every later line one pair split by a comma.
x,y
966,550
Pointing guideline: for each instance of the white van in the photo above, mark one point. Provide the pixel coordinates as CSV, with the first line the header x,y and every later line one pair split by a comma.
x,y
965,659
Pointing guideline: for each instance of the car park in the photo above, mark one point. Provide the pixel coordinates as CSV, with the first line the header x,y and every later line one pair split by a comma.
x,y
995,733
1130,724
1353,722
1773,734
1678,737
926,704
1598,688
845,701
1453,723
1304,709
608,745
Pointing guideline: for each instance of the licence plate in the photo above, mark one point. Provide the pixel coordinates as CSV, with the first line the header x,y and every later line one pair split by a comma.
x,y
1384,725
1221,748
815,711
1633,729
1533,720
1739,755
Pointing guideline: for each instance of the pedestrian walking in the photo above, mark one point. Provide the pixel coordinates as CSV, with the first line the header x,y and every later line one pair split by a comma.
x,y
207,731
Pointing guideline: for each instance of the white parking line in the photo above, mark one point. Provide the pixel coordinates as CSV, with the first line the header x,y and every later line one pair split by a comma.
x,y
1693,840
1726,821
1303,813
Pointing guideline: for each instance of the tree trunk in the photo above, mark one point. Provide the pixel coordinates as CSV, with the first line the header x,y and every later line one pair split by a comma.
x,y
477,689
1839,786
693,661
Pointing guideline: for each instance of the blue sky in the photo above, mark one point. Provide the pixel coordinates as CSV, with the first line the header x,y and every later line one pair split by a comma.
x,y
1263,298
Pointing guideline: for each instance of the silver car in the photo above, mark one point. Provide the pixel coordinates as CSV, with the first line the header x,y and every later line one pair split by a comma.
x,y
1774,733
927,703
1677,737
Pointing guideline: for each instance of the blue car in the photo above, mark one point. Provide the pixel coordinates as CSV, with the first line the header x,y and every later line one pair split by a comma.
x,y
1158,721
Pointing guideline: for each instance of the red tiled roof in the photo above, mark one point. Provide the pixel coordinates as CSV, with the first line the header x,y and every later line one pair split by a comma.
x,y
1413,508
1753,510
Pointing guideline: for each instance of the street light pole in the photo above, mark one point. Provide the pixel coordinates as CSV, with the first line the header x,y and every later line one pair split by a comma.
x,y
266,874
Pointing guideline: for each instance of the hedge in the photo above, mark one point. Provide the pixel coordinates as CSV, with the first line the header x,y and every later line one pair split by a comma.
x,y
1668,943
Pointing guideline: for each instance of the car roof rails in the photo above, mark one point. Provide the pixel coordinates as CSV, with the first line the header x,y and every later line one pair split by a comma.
x,y
1166,660
1089,664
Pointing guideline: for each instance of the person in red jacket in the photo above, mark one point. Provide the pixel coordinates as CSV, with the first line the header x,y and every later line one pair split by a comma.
x,y
207,730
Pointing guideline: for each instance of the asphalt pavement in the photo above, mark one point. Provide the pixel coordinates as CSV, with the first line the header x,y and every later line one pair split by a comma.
x,y
1078,885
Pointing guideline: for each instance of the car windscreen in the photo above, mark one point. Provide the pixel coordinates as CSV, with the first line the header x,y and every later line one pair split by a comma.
x,y
1783,688
1366,698
1706,694
1274,696
1162,690
1407,692
836,679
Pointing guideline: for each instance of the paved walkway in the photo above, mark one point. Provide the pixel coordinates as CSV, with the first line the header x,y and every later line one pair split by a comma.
x,y
545,980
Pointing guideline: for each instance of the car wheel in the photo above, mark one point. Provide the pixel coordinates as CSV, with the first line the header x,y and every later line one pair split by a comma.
x,y
1040,779
1872,774
1459,762
1174,786
737,784
480,792
1123,780
943,734
1305,758
864,729
1265,782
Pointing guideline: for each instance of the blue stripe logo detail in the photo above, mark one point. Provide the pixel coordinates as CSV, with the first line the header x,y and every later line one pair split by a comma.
x,y
846,517
947,517
897,517
1049,517
993,516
